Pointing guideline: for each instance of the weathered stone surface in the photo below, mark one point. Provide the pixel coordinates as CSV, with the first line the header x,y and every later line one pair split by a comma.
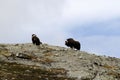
x,y
76,64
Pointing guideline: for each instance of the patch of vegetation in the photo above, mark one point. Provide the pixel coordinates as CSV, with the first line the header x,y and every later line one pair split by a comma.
x,y
109,66
48,54
2,45
5,52
14,71
114,74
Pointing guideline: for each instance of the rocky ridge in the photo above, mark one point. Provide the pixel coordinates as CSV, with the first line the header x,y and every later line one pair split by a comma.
x,y
58,62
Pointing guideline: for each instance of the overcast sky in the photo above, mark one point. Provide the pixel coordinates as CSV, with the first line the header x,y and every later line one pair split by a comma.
x,y
95,23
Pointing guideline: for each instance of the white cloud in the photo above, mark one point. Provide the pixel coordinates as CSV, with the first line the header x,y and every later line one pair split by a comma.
x,y
21,18
102,45
83,11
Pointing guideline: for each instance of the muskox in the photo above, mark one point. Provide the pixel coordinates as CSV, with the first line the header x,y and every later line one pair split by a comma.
x,y
70,42
35,40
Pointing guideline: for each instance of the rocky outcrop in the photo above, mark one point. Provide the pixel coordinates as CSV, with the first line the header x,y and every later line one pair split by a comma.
x,y
76,65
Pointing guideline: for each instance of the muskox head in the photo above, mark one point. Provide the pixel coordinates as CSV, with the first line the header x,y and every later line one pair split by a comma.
x,y
35,40
70,42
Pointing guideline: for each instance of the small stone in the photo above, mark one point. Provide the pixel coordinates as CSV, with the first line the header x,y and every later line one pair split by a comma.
x,y
80,57
56,55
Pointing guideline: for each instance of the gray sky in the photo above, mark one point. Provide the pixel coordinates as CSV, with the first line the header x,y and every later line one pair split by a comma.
x,y
95,23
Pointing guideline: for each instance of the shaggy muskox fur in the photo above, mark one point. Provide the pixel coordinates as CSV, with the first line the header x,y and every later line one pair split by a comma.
x,y
35,40
73,44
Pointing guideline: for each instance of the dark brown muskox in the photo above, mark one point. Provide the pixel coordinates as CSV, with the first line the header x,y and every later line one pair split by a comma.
x,y
73,44
35,40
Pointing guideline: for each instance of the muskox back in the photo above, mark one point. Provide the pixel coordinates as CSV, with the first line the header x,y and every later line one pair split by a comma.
x,y
35,40
73,44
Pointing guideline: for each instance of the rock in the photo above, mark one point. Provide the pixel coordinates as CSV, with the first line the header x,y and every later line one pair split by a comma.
x,y
77,64
23,56
2,58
